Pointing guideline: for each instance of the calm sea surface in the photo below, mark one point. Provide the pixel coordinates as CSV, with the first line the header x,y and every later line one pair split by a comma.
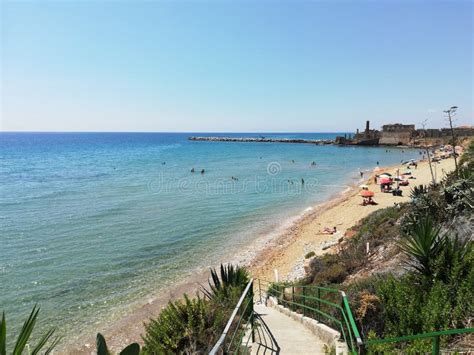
x,y
93,222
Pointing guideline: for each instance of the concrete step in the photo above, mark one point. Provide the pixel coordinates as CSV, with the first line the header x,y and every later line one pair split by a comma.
x,y
279,334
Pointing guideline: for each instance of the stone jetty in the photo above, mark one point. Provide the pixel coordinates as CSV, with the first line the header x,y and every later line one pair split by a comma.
x,y
262,140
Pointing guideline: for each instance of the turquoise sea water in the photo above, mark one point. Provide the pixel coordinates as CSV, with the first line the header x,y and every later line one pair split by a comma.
x,y
96,221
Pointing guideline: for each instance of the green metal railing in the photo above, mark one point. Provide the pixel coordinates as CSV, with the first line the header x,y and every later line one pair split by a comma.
x,y
327,305
331,307
434,336
240,323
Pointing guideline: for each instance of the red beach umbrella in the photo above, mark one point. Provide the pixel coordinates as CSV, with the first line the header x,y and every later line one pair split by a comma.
x,y
367,193
385,181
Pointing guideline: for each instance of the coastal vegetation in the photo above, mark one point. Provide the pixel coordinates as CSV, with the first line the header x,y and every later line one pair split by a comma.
x,y
24,337
409,269
191,326
132,349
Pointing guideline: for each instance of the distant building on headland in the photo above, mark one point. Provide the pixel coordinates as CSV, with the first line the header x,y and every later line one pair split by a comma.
x,y
368,137
397,134
403,134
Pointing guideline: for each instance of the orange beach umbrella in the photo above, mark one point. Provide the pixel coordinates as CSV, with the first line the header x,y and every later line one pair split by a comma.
x,y
367,193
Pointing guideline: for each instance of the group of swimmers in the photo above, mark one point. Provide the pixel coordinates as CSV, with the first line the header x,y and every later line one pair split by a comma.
x,y
291,181
202,171
313,163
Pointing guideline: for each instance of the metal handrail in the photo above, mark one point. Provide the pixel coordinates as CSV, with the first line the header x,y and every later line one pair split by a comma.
x,y
421,336
220,343
345,311
435,336
349,321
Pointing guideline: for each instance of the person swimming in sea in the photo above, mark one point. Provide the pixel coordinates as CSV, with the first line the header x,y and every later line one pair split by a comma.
x,y
192,170
203,171
302,181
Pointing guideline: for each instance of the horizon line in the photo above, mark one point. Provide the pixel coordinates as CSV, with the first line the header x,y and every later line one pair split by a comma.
x,y
176,132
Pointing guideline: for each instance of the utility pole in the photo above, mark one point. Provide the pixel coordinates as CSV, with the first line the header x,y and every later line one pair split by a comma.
x,y
451,113
427,149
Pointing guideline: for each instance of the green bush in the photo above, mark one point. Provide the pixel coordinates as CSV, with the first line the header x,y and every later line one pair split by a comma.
x,y
310,255
411,305
192,326
188,326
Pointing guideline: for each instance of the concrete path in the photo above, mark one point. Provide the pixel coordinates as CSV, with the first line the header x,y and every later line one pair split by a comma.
x,y
280,334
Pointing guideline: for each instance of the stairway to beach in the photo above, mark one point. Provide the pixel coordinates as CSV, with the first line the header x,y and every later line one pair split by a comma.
x,y
278,333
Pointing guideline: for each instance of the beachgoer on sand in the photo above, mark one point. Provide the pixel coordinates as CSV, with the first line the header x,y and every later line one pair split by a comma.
x,y
328,230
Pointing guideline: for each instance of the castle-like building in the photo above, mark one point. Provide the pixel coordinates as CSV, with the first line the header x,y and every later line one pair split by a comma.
x,y
403,134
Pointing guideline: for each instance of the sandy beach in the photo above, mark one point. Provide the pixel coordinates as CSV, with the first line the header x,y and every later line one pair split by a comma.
x,y
286,255
283,250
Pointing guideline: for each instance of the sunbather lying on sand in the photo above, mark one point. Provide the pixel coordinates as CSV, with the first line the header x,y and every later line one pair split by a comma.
x,y
328,230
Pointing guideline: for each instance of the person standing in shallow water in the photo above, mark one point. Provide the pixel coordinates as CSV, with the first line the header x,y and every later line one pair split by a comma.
x,y
203,171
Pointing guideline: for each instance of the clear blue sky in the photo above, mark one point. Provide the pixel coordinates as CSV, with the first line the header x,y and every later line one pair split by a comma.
x,y
233,65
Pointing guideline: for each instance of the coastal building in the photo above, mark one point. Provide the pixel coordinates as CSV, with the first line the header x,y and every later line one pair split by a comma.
x,y
397,134
404,134
367,137
437,136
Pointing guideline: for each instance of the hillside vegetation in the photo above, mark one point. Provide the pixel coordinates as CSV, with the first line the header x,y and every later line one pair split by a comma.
x,y
419,273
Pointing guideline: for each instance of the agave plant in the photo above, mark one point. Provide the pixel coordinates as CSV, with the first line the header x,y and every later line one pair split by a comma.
x,y
132,349
418,191
24,336
230,277
423,244
460,195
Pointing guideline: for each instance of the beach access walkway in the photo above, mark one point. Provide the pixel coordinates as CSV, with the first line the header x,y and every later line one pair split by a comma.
x,y
275,319
279,334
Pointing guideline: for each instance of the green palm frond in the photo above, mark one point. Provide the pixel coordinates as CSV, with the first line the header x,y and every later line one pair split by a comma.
x,y
25,335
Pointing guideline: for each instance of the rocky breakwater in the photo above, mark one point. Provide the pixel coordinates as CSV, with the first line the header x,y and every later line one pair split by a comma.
x,y
262,140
